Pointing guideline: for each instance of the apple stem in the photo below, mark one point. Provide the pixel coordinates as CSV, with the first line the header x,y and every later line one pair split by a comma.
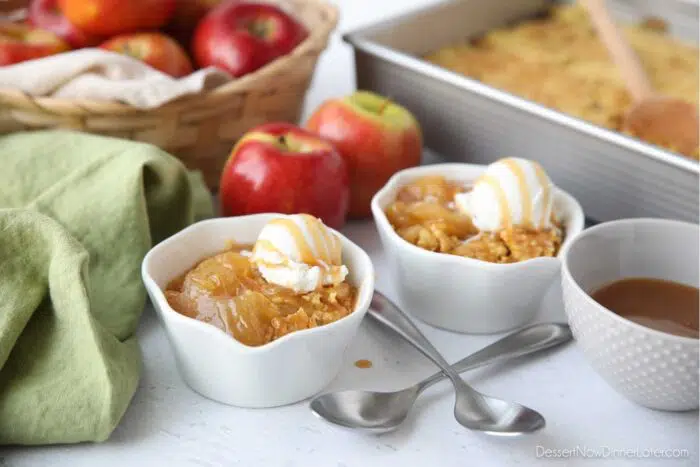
x,y
128,50
282,140
258,29
384,105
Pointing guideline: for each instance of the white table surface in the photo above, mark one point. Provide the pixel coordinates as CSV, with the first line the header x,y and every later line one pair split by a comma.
x,y
168,424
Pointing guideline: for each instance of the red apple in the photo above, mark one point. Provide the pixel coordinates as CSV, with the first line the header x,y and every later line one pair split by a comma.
x,y
375,136
111,17
21,42
45,14
155,49
240,37
279,167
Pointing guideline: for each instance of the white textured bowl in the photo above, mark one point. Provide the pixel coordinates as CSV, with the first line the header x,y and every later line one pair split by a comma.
x,y
649,367
464,294
214,364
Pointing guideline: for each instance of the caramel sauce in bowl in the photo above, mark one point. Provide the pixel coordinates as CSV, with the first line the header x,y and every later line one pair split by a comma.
x,y
658,304
292,367
620,280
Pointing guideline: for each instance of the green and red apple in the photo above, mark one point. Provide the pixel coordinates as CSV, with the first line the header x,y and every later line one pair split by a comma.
x,y
155,49
376,136
279,167
21,42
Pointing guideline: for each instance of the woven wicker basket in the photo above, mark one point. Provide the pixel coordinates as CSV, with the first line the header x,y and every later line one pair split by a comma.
x,y
199,129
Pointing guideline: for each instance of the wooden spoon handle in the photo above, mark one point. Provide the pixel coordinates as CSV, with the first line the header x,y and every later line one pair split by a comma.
x,y
621,52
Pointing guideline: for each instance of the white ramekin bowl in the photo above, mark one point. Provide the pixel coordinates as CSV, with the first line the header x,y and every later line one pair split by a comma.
x,y
465,294
214,364
649,367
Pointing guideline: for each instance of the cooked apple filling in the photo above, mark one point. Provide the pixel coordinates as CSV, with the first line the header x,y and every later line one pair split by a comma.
x,y
228,291
426,215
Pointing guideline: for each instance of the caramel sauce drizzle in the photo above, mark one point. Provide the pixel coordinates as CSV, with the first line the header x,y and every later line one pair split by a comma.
x,y
306,255
265,244
322,239
517,170
542,177
324,249
506,215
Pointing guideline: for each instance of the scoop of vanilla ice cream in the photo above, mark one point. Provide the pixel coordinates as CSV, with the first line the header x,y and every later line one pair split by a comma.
x,y
299,252
512,192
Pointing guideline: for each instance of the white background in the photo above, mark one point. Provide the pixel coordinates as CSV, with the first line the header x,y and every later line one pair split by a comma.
x,y
167,424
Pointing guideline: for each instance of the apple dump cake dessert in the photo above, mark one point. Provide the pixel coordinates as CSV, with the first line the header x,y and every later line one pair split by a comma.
x,y
505,216
558,61
291,279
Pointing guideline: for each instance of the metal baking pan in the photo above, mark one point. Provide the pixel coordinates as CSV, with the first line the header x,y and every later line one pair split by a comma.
x,y
612,175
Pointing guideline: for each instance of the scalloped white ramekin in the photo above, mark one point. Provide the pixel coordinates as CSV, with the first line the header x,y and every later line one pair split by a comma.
x,y
214,364
465,294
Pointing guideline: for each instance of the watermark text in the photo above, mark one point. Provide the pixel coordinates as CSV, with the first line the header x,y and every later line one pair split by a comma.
x,y
608,452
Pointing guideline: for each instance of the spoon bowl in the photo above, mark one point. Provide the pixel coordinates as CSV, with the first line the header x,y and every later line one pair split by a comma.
x,y
371,411
666,122
505,418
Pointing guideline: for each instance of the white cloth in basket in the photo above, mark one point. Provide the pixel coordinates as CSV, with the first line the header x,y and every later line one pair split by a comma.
x,y
102,75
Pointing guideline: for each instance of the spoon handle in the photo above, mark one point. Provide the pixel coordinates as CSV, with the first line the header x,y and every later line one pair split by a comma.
x,y
525,341
620,50
386,312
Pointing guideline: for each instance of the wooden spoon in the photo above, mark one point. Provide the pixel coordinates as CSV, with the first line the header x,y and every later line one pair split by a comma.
x,y
657,119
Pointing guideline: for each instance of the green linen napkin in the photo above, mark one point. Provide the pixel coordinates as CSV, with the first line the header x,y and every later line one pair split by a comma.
x,y
77,214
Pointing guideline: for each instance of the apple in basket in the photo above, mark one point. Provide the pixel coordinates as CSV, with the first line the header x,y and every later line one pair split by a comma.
x,y
45,14
155,49
375,136
111,17
279,167
20,42
240,37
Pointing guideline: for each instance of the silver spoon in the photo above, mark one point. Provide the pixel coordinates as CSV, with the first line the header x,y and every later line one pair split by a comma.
x,y
472,410
380,412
